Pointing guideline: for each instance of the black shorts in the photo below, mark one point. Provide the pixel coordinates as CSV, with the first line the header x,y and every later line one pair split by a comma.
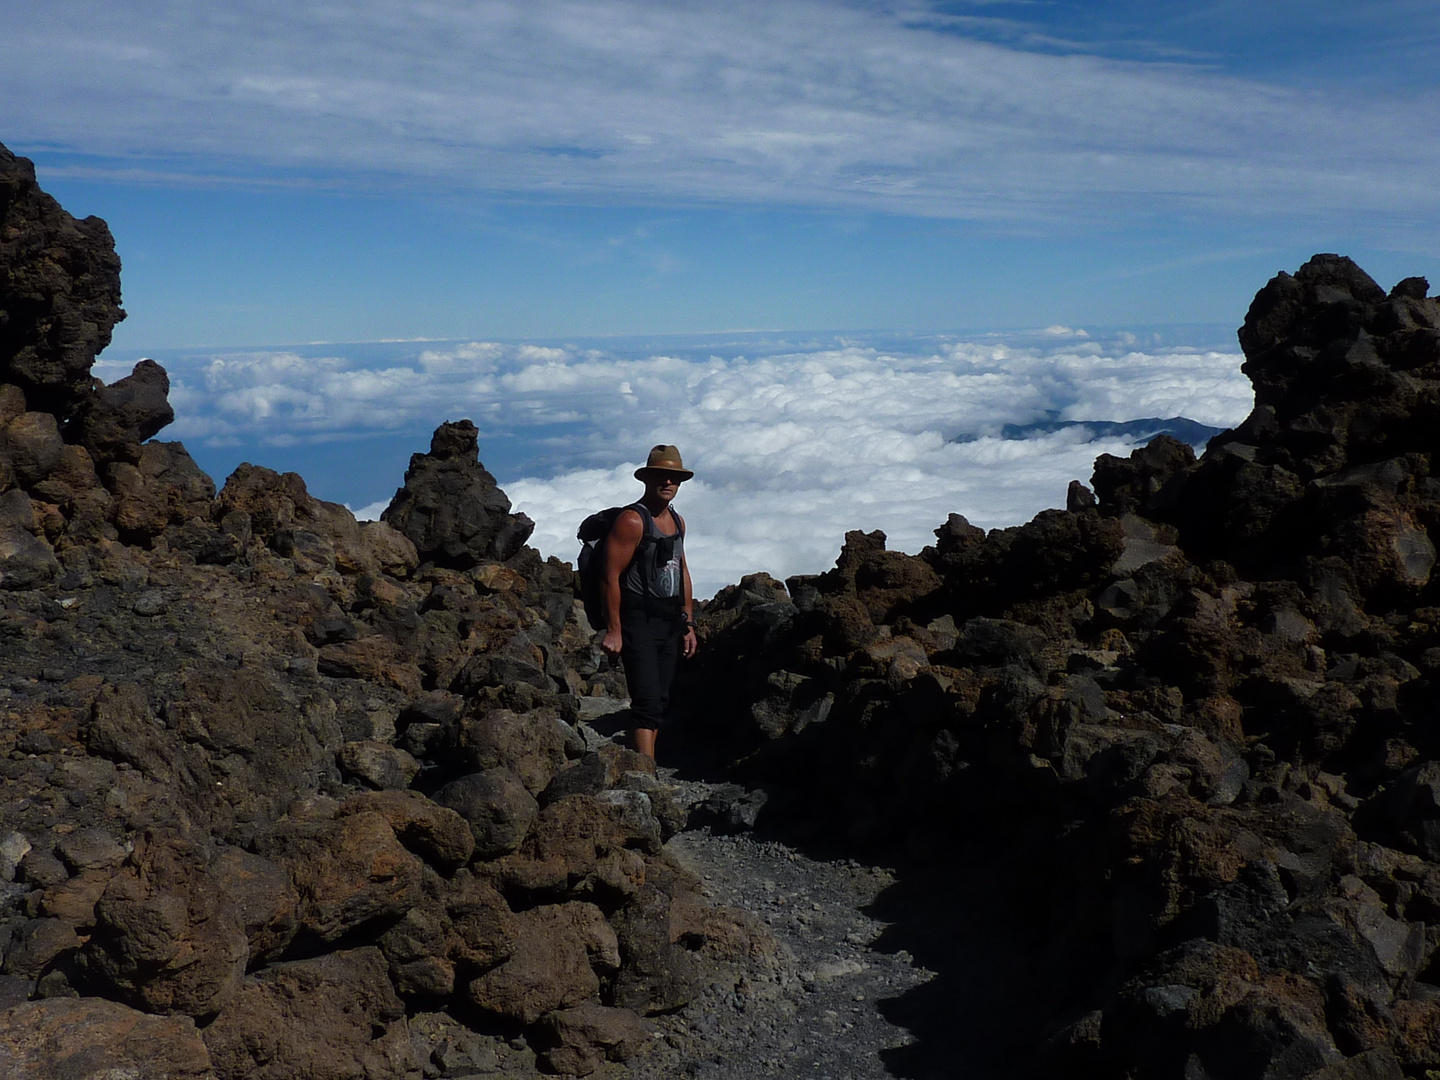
x,y
650,647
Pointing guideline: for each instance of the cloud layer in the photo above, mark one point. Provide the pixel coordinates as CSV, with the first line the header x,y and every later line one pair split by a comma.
x,y
792,443
877,106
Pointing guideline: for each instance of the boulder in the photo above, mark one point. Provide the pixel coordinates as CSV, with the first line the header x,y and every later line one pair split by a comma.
x,y
166,935
114,420
529,744
27,561
497,807
560,953
33,446
348,870
37,944
331,1018
277,509
393,552
378,764
90,848
575,1041
656,975
93,1037
451,508
373,659
574,850
436,833
163,487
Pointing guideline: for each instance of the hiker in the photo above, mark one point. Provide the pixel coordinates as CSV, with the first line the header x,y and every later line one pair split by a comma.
x,y
649,609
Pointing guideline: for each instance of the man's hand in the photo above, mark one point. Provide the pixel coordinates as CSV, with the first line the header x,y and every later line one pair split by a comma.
x,y
691,642
612,643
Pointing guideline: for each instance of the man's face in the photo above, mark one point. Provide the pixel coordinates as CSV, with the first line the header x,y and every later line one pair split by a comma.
x,y
661,483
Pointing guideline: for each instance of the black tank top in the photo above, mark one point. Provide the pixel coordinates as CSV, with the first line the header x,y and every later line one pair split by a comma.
x,y
656,570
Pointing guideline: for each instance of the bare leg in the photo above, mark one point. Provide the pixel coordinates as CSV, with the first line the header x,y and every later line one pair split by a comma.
x,y
645,741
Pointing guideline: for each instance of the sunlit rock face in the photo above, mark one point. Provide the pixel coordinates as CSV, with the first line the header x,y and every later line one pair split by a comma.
x,y
225,715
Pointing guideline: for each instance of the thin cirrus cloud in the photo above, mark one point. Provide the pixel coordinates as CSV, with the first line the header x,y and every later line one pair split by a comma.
x,y
824,104
793,443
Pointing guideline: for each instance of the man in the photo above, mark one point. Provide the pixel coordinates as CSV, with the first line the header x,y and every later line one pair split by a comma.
x,y
649,609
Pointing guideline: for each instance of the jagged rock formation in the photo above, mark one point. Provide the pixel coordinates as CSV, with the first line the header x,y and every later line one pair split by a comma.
x,y
451,508
273,782
59,292
1178,741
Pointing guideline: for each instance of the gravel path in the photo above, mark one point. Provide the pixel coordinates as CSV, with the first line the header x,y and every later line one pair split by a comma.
x,y
818,1010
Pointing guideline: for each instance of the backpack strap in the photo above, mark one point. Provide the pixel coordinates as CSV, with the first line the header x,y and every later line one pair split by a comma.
x,y
647,526
648,539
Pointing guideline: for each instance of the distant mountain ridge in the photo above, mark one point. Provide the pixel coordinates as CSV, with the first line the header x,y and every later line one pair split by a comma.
x,y
1177,427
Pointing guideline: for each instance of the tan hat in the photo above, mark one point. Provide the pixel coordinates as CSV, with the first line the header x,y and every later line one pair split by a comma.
x,y
664,459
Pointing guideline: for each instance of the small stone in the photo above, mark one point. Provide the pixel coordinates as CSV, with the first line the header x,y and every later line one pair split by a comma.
x,y
377,764
90,849
149,605
13,848
41,869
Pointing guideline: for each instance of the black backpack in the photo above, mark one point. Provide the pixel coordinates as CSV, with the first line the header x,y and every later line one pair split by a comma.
x,y
592,534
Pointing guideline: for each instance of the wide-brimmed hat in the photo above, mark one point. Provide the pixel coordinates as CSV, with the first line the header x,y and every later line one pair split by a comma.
x,y
664,459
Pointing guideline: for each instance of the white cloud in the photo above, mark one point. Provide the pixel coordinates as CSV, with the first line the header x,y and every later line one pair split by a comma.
x,y
791,449
807,102
371,512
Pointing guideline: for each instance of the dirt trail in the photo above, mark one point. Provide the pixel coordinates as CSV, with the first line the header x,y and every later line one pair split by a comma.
x,y
819,1009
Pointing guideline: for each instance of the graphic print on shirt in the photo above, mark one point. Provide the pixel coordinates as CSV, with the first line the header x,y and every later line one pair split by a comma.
x,y
667,579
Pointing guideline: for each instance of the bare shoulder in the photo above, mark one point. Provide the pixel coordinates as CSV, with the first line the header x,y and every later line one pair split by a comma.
x,y
629,525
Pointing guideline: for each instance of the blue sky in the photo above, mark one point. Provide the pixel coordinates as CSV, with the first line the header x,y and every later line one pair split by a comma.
x,y
611,178
320,171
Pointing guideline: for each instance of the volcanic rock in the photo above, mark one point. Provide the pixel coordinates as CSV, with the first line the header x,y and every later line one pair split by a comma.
x,y
560,954
63,1037
348,870
113,421
201,691
166,936
497,807
59,292
451,508
1177,710
575,1041
331,1017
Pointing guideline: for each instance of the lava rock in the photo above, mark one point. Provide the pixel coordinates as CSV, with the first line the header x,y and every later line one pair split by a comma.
x,y
450,507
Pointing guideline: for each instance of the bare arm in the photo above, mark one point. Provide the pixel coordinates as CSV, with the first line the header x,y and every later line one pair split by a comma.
x,y
691,641
625,537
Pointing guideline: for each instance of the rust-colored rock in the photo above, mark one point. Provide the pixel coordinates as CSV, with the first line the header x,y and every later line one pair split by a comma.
x,y
331,1018
92,1037
560,953
575,1041
166,935
348,871
435,833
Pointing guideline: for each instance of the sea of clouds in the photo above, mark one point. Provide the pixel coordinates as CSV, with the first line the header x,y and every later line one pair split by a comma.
x,y
793,441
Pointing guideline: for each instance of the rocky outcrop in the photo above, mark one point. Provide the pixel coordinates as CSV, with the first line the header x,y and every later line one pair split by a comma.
x,y
59,292
272,780
1174,745
451,508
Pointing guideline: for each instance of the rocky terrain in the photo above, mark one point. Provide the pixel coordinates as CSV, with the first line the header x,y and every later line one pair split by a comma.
x,y
1166,763
1156,776
281,794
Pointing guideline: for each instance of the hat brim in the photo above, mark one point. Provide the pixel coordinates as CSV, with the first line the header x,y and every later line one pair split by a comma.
x,y
683,474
